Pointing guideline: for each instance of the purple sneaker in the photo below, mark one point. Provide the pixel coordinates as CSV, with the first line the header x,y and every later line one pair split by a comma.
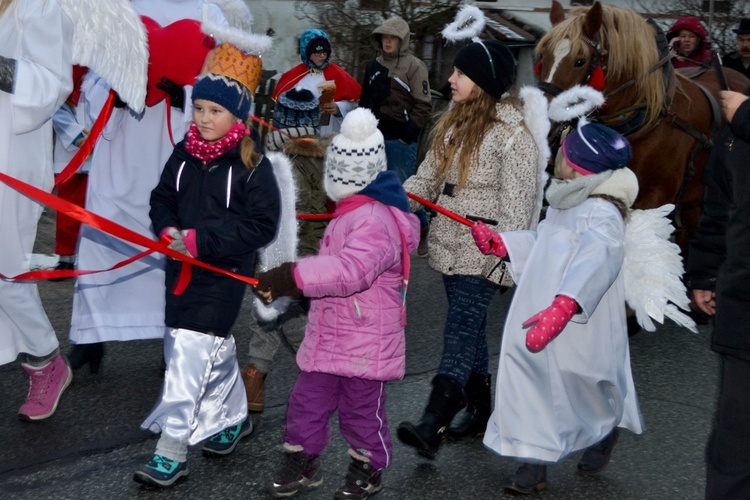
x,y
46,385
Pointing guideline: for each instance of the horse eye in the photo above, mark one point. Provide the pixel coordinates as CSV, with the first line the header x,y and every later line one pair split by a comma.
x,y
579,63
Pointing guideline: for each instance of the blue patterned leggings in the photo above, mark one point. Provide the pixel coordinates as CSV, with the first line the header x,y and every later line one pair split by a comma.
x,y
465,340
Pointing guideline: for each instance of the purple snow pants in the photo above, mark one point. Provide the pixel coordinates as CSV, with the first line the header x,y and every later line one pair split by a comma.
x,y
362,421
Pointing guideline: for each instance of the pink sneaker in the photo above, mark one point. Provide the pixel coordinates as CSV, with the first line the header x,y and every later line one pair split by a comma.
x,y
46,385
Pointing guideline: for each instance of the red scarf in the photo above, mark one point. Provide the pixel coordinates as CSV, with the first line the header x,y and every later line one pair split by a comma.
x,y
206,151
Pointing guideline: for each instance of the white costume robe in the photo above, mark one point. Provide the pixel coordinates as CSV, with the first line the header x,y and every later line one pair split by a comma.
x,y
37,34
576,390
128,303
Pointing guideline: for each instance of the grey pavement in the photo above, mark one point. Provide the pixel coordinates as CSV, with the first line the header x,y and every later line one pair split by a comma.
x,y
90,447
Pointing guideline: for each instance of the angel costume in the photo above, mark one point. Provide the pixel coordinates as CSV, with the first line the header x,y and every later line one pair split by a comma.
x,y
571,394
36,34
128,303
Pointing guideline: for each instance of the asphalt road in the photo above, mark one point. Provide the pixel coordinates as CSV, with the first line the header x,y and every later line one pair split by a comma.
x,y
91,446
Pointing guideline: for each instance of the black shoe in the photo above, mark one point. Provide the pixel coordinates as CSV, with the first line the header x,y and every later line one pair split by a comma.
x,y
90,354
301,472
473,422
362,481
596,458
528,479
63,266
424,436
446,399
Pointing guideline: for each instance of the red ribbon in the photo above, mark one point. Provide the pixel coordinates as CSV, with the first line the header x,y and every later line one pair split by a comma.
x,y
439,209
88,145
105,225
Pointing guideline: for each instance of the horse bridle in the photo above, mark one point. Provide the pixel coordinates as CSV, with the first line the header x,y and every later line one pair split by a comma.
x,y
594,62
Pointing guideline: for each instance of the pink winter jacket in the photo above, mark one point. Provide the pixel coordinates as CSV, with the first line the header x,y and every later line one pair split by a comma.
x,y
355,326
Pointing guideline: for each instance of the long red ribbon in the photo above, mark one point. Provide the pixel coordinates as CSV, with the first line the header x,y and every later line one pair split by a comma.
x,y
88,145
439,209
109,227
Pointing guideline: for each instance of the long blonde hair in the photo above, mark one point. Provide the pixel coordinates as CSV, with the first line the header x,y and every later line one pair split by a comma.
x,y
249,153
460,131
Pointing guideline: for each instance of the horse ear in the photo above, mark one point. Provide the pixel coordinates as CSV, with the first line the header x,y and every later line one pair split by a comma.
x,y
593,21
556,13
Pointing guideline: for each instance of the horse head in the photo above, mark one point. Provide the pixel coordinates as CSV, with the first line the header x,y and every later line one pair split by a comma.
x,y
606,47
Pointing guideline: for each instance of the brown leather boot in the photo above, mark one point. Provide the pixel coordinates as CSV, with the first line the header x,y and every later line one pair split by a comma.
x,y
254,380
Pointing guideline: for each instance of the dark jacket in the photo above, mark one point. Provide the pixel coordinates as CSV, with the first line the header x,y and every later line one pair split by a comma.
x,y
734,61
230,225
396,88
719,255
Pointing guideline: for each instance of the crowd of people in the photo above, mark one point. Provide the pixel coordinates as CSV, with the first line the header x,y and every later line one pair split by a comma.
x,y
193,173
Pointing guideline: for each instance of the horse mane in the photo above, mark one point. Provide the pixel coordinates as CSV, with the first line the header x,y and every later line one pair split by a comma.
x,y
628,51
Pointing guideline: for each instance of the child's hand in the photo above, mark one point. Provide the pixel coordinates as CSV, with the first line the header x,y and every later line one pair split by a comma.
x,y
549,323
488,241
277,282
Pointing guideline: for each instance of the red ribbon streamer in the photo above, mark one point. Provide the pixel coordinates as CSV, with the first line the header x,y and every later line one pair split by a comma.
x,y
88,145
439,209
105,225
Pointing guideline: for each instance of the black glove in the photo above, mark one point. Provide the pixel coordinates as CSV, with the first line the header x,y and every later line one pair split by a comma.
x,y
176,93
279,281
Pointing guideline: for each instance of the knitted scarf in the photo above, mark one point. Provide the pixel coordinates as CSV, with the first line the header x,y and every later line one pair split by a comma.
x,y
563,194
206,151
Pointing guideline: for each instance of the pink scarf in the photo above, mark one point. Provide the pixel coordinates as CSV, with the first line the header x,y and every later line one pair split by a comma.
x,y
206,151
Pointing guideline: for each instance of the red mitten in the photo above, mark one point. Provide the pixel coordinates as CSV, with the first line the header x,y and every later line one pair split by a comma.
x,y
549,323
488,241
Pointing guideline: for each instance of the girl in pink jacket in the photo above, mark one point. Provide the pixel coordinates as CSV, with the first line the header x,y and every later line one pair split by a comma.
x,y
354,342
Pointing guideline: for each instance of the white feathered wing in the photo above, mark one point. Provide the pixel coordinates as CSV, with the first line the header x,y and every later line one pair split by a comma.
x,y
653,270
283,248
110,39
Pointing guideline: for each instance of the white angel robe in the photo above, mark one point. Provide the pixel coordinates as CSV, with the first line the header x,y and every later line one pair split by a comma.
x,y
128,303
576,390
37,34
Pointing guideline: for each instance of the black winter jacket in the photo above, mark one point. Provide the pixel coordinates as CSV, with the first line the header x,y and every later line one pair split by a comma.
x,y
719,255
234,211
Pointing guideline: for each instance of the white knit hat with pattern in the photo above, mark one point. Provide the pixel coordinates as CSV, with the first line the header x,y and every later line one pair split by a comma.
x,y
356,156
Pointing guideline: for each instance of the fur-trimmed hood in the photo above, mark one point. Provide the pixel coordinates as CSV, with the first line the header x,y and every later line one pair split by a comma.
x,y
308,146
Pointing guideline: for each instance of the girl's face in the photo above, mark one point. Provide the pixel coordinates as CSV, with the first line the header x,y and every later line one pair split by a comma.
x,y
563,170
461,85
318,58
213,120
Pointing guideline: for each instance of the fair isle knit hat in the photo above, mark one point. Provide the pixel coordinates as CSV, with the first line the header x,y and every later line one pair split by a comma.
x,y
595,148
297,107
355,157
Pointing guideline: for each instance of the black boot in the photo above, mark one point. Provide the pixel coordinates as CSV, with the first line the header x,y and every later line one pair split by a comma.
x,y
90,354
596,458
446,399
473,422
528,479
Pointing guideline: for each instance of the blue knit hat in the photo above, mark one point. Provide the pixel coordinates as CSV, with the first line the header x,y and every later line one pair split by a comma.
x,y
297,107
225,91
595,148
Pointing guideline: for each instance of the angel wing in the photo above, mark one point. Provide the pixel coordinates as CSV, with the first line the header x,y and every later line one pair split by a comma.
x,y
237,13
109,38
284,247
653,270
536,119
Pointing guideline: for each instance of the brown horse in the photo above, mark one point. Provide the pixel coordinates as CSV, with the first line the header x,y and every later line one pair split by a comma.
x,y
668,119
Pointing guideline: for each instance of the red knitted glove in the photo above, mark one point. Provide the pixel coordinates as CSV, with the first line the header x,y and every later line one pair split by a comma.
x,y
549,323
488,241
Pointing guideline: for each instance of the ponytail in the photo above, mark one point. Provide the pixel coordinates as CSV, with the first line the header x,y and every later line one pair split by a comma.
x,y
250,150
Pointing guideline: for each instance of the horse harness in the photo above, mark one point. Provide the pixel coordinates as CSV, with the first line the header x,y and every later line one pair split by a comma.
x,y
635,117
